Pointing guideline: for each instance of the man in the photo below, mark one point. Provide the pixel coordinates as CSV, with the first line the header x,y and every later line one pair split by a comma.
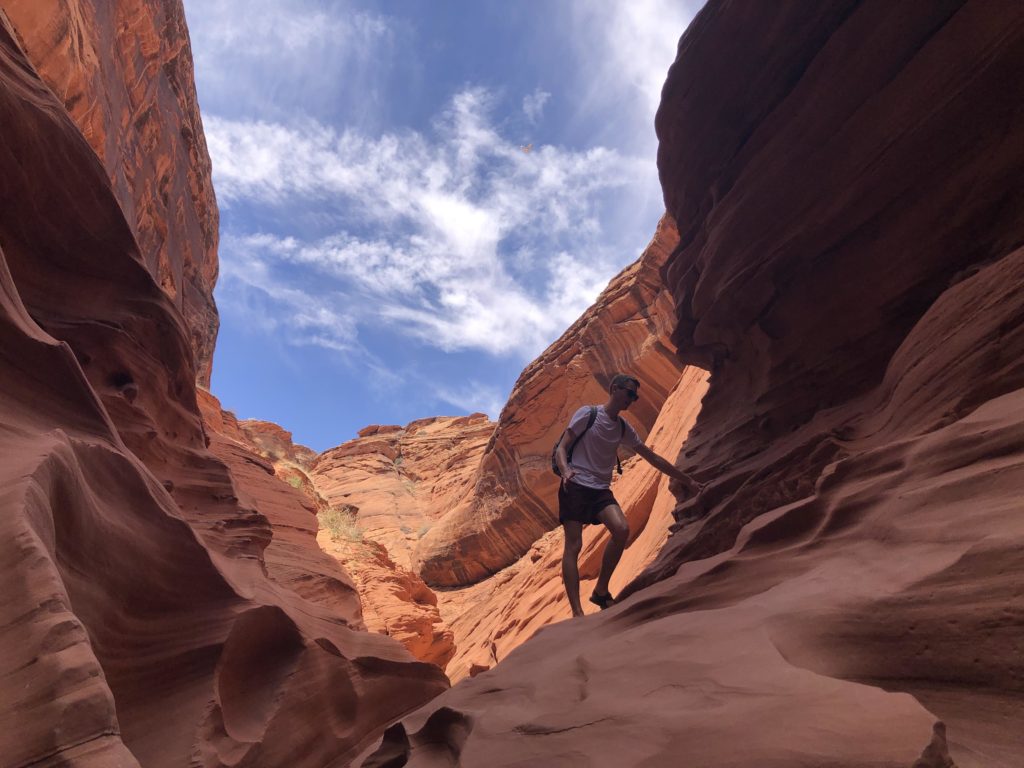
x,y
584,497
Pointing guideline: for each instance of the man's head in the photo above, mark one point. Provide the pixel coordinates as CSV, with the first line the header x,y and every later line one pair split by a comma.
x,y
624,389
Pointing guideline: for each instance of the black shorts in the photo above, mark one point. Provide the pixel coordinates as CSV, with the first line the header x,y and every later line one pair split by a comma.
x,y
579,503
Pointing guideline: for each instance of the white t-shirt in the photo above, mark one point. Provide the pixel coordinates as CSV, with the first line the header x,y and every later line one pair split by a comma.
x,y
593,458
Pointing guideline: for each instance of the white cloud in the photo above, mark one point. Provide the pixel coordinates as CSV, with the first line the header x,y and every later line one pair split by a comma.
x,y
458,239
625,51
474,397
250,289
256,55
533,105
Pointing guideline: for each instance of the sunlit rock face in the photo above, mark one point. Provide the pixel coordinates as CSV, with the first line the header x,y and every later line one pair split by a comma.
x,y
511,499
153,613
399,481
292,556
850,268
124,73
351,574
395,600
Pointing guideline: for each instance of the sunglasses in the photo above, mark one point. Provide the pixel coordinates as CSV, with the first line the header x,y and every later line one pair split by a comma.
x,y
631,394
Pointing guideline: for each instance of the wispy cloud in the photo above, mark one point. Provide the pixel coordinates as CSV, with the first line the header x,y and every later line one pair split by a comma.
x,y
533,104
456,238
276,308
267,57
474,397
625,51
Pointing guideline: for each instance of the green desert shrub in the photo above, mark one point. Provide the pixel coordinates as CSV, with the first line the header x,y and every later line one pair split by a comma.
x,y
295,481
341,524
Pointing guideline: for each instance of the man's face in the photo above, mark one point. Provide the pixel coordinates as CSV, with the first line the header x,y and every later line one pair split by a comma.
x,y
627,394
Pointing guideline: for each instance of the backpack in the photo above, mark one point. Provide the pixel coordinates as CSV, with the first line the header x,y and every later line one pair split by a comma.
x,y
568,451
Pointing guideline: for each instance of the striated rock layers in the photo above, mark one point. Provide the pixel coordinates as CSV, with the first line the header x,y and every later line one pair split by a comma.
x,y
399,481
271,471
850,268
510,500
151,614
124,73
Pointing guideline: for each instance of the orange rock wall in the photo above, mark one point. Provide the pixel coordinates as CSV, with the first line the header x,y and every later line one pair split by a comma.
x,y
402,480
511,499
355,577
124,73
147,618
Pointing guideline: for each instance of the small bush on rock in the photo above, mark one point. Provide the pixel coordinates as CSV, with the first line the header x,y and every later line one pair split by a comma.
x,y
341,524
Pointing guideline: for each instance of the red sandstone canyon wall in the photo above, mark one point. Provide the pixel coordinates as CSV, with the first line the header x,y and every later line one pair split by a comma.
x,y
154,613
846,590
123,71
272,472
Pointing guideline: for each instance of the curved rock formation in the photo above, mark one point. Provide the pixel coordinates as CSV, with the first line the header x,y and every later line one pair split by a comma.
x,y
850,267
511,499
124,74
269,471
395,600
139,622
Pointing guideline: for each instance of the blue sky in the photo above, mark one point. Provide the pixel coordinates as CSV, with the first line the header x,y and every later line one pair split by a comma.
x,y
388,250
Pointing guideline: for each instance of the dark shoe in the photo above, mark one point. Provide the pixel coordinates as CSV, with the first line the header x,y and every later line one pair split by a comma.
x,y
605,600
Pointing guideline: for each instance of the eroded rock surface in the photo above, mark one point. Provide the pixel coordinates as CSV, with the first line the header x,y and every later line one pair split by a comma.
x,y
124,73
145,620
399,481
349,573
850,268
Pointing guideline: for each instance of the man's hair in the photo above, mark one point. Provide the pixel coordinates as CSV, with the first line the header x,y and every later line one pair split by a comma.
x,y
621,380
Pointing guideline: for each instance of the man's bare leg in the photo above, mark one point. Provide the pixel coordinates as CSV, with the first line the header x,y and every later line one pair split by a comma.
x,y
618,527
570,569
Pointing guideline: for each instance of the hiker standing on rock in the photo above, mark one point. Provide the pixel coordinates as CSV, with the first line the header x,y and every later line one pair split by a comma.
x,y
585,456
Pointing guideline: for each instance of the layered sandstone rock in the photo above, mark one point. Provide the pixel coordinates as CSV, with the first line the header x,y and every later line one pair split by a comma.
x,y
399,481
510,501
145,619
850,268
293,557
353,576
395,600
276,443
124,73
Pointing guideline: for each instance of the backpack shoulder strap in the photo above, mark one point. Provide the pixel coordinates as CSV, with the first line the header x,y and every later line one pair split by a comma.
x,y
590,422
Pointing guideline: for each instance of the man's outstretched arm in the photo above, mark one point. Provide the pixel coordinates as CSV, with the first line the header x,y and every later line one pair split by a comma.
x,y
668,468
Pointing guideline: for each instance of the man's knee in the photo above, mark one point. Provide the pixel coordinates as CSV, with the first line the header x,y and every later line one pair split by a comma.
x,y
616,523
619,532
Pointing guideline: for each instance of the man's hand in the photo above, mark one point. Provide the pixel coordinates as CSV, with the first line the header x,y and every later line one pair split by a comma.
x,y
682,484
568,475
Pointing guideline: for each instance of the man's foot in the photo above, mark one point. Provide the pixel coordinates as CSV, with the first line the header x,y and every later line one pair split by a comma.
x,y
605,600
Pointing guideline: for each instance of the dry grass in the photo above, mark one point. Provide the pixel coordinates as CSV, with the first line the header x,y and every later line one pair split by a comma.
x,y
341,524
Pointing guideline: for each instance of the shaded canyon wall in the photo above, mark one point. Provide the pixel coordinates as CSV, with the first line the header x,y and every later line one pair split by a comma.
x,y
153,614
124,73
